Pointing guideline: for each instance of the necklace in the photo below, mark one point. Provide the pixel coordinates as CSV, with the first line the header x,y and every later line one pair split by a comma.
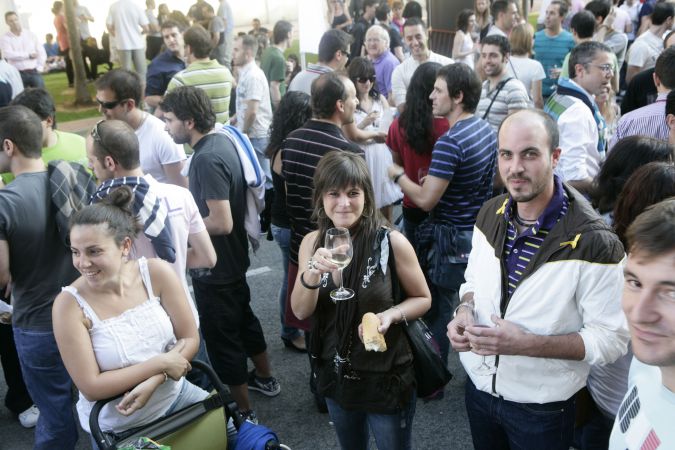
x,y
523,222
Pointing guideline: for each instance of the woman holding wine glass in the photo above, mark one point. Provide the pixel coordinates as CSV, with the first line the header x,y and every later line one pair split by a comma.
x,y
365,391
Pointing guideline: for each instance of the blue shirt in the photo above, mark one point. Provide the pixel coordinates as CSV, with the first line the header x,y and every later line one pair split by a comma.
x,y
465,156
519,250
551,51
160,71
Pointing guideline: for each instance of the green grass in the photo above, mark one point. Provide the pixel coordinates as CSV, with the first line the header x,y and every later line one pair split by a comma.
x,y
295,48
57,85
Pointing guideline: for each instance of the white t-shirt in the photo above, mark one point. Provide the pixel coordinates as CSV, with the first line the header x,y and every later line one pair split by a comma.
x,y
644,51
185,220
253,86
128,18
579,158
157,148
645,418
400,77
621,19
526,70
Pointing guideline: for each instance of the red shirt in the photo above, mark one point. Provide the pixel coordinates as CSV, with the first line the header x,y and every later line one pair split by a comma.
x,y
61,32
412,161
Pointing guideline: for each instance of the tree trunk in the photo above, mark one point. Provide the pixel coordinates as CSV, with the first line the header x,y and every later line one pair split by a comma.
x,y
82,97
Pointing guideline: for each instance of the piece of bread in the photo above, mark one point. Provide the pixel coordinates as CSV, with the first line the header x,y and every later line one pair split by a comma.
x,y
372,338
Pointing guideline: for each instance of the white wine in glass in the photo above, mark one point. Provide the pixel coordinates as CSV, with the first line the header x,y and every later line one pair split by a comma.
x,y
339,243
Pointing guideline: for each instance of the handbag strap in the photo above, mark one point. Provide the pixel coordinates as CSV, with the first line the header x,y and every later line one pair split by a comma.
x,y
500,86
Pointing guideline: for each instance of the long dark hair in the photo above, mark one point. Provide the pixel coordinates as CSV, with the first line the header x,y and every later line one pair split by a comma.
x,y
628,154
293,111
417,118
361,67
648,185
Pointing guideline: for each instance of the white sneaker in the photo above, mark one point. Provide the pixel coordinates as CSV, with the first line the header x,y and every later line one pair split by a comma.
x,y
29,417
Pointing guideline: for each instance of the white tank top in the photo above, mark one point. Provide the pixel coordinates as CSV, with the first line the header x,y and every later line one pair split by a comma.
x,y
131,338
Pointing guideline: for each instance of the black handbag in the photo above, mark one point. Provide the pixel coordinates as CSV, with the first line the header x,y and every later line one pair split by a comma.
x,y
430,372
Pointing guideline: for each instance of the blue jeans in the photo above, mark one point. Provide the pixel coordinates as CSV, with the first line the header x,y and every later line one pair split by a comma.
x,y
282,236
498,424
50,387
391,431
32,78
260,145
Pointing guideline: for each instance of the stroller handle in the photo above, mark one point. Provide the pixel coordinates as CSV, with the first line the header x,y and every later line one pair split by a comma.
x,y
104,441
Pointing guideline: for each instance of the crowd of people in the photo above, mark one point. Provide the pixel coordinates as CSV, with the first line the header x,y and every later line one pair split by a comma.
x,y
535,172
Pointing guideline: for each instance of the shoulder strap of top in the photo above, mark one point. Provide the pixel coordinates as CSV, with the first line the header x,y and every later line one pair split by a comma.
x,y
145,275
88,310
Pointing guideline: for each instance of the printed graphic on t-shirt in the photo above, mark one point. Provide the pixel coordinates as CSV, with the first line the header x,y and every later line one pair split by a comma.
x,y
634,424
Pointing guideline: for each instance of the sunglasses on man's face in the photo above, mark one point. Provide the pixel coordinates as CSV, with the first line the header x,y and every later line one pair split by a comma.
x,y
109,105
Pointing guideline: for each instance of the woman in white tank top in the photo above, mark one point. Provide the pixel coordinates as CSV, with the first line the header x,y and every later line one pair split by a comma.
x,y
124,327
464,49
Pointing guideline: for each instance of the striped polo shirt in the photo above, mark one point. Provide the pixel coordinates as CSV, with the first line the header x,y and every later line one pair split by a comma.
x,y
301,152
520,250
214,79
465,156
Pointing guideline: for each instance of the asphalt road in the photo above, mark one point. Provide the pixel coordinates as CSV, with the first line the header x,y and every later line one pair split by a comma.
x,y
292,415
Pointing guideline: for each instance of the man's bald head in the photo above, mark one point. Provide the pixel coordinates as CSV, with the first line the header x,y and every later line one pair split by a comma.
x,y
534,116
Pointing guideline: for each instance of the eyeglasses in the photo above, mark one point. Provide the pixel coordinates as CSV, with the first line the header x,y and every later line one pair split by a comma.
x,y
606,68
364,80
109,105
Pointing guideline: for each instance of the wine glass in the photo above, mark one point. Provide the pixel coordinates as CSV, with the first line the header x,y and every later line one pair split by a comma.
x,y
339,243
482,319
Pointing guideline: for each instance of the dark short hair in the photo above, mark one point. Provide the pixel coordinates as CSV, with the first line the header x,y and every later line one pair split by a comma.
x,y
382,12
662,11
413,22
460,78
369,3
665,67
547,121
190,103
327,89
199,41
332,41
23,127
463,18
584,53
412,10
499,41
10,13
498,7
562,7
115,211
118,140
39,101
583,23
670,103
125,84
167,24
598,8
653,229
281,30
207,7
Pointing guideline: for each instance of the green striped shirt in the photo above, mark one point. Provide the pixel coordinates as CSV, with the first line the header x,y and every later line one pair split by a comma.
x,y
213,78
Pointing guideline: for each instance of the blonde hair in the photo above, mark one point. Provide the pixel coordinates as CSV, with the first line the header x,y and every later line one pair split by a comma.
x,y
521,39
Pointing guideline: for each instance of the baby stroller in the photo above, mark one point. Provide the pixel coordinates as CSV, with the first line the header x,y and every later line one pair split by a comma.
x,y
202,425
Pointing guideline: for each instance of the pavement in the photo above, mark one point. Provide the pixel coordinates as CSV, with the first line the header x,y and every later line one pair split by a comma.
x,y
440,424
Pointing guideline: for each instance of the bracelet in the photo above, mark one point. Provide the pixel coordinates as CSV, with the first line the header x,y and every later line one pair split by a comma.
x,y
463,304
308,286
403,317
396,178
